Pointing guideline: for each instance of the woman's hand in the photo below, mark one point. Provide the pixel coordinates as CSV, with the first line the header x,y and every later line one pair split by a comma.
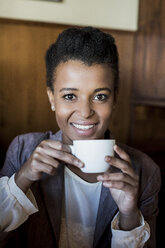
x,y
45,159
123,186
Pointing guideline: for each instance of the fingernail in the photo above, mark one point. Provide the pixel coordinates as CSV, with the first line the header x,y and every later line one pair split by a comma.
x,y
107,158
99,177
79,164
115,147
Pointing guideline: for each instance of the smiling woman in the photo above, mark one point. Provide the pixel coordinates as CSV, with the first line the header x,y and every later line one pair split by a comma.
x,y
43,179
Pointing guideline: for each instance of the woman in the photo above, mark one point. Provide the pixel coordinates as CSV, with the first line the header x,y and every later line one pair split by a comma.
x,y
115,209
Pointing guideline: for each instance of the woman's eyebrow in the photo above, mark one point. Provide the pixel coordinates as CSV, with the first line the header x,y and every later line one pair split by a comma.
x,y
68,89
101,89
96,90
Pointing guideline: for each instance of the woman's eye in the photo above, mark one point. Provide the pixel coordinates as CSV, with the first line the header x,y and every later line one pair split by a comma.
x,y
100,97
69,97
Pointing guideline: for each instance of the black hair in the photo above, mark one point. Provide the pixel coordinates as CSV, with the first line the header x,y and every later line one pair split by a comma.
x,y
89,45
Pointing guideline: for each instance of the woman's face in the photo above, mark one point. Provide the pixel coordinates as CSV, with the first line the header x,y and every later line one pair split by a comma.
x,y
83,98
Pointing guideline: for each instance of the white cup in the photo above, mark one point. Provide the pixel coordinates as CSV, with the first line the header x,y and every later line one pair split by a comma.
x,y
92,153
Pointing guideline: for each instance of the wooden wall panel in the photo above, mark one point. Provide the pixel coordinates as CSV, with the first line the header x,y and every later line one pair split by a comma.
x,y
121,118
23,101
148,82
149,55
148,128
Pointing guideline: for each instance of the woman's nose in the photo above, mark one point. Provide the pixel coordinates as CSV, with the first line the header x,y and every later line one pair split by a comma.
x,y
85,109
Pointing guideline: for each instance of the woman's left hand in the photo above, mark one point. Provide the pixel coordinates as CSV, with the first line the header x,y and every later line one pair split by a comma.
x,y
123,185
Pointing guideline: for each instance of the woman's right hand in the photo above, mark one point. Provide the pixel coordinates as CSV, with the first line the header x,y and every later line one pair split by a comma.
x,y
45,159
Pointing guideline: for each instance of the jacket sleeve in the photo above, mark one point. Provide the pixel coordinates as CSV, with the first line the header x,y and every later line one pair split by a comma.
x,y
11,164
149,188
20,150
149,200
15,206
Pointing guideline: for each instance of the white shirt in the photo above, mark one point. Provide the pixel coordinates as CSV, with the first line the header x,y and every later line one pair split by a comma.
x,y
80,212
16,207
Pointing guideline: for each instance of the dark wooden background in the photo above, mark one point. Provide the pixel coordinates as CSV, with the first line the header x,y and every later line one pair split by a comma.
x,y
139,119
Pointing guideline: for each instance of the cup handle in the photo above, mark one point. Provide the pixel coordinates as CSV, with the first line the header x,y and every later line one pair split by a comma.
x,y
72,149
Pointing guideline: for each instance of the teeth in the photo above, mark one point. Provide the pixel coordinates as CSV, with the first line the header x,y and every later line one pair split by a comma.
x,y
83,127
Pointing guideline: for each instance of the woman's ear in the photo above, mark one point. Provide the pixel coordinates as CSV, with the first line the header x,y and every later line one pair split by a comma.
x,y
51,98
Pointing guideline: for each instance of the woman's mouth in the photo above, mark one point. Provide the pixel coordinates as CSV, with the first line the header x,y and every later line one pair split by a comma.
x,y
84,130
83,127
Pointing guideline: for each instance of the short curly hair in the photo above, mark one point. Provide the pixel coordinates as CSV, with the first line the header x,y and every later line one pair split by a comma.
x,y
89,45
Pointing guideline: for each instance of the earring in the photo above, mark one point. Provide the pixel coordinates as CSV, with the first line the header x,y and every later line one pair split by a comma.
x,y
52,108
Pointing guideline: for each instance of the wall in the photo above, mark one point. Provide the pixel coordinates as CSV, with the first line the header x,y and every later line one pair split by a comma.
x,y
118,14
148,81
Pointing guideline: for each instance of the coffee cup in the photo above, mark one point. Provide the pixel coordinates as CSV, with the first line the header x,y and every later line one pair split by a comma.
x,y
92,153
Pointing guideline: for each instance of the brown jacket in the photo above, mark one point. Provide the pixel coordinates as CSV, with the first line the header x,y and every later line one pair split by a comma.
x,y
42,229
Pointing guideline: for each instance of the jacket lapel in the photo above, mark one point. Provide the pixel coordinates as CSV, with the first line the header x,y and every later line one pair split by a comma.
x,y
107,210
52,190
